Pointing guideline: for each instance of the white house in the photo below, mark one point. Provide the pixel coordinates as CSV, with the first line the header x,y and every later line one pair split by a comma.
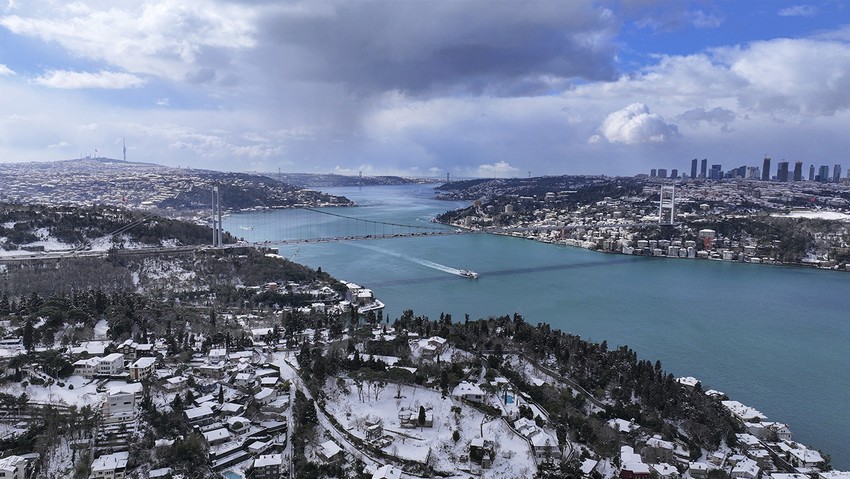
x,y
468,391
199,415
13,467
268,466
110,466
329,451
119,403
111,365
142,368
802,457
216,436
387,472
745,469
265,396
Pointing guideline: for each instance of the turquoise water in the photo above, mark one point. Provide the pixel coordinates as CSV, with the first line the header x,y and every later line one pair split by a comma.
x,y
771,337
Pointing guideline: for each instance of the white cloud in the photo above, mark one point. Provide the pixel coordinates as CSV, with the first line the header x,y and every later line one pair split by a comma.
x,y
61,144
635,124
5,71
163,102
798,11
161,38
500,168
75,80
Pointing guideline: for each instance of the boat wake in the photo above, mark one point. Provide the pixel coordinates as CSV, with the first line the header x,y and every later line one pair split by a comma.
x,y
414,259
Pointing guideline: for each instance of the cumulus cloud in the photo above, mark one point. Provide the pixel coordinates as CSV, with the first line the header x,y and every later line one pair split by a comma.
x,y
500,168
635,124
798,11
5,71
73,80
160,38
61,144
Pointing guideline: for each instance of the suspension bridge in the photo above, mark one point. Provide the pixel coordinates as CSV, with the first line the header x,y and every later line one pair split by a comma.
x,y
311,225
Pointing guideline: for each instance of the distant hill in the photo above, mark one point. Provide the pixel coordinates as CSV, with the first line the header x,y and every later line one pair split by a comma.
x,y
315,180
166,190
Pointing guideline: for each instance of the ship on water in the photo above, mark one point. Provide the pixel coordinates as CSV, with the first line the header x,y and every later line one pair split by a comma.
x,y
468,274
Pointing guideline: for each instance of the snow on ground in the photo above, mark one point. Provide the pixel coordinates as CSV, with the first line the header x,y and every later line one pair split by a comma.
x,y
822,215
513,453
100,329
156,271
84,392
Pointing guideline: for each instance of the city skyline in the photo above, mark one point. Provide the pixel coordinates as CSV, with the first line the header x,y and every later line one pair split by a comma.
x,y
425,88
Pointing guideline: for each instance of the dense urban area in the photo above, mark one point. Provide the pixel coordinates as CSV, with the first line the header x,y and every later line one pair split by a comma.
x,y
161,357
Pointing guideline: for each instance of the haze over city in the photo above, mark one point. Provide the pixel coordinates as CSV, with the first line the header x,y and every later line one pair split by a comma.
x,y
424,88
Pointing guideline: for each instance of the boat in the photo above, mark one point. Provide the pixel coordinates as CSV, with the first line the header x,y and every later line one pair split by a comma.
x,y
247,228
468,274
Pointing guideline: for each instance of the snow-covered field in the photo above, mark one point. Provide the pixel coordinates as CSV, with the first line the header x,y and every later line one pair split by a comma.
x,y
822,215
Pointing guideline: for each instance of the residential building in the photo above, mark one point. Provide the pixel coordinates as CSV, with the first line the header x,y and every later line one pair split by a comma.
x,y
387,472
765,169
268,466
142,368
836,173
13,467
694,168
782,171
798,171
703,167
468,391
110,466
329,451
110,365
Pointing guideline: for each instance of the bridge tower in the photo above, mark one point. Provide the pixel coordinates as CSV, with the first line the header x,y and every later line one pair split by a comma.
x,y
216,218
667,206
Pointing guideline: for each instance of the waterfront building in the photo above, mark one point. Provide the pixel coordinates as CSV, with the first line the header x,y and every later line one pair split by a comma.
x,y
765,169
798,171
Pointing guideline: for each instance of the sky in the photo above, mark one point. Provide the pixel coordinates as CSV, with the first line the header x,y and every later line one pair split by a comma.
x,y
426,87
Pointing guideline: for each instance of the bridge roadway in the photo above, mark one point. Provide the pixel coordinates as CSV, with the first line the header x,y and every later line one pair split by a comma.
x,y
26,256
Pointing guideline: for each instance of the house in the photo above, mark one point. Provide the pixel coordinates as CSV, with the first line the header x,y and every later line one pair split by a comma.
x,y
588,466
232,409
632,466
176,383
268,466
142,368
119,403
238,424
265,396
110,365
161,473
110,466
544,445
244,380
199,416
217,355
329,451
482,451
13,467
745,469
374,430
698,470
802,457
387,472
468,391
260,335
216,436
657,450
664,471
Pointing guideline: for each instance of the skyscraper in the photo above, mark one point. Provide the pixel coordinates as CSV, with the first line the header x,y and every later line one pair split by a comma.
x,y
798,171
823,174
716,172
836,173
694,168
782,171
662,172
652,173
703,168
674,173
765,169
812,173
